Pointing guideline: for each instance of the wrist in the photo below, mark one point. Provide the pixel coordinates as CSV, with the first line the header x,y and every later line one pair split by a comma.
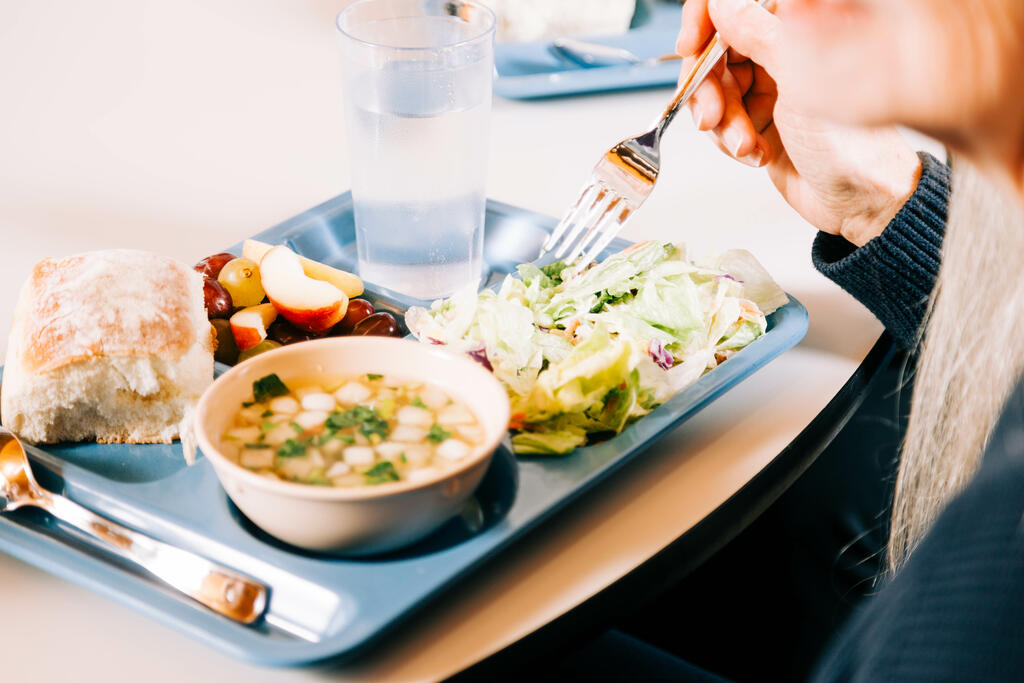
x,y
884,190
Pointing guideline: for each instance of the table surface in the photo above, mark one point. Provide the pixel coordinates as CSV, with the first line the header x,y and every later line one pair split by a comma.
x,y
184,127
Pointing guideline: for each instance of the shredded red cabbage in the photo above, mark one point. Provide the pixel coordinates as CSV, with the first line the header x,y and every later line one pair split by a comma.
x,y
435,341
662,358
480,356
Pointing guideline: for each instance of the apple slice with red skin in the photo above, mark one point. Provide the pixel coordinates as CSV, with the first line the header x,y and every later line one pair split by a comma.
x,y
343,280
249,325
309,304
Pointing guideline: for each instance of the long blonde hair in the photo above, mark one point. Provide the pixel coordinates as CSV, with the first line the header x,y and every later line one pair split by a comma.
x,y
971,358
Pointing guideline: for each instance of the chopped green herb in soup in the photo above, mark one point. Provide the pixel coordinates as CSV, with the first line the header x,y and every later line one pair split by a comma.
x,y
368,430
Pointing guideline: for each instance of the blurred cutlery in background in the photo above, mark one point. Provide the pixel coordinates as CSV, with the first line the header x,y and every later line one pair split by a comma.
x,y
587,54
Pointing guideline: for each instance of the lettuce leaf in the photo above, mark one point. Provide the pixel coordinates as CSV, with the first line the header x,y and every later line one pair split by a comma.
x,y
758,285
582,379
549,442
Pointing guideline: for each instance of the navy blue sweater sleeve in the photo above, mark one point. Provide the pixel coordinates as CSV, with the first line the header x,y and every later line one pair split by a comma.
x,y
893,274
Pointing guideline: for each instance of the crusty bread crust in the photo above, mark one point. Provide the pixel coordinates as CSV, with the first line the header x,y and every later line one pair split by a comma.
x,y
110,345
108,303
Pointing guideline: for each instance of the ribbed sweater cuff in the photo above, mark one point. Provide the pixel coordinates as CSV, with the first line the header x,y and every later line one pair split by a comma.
x,y
893,274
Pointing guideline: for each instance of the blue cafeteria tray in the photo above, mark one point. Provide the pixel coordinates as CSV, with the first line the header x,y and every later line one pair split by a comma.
x,y
321,606
528,70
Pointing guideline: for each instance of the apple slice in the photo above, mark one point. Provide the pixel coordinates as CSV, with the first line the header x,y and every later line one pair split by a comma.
x,y
346,282
312,305
249,325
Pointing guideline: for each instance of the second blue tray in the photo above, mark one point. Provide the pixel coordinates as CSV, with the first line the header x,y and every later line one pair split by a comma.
x,y
528,70
321,606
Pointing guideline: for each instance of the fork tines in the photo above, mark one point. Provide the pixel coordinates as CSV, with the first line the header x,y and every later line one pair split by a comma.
x,y
589,225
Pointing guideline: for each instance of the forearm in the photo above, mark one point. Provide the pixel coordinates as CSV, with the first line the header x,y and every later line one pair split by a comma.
x,y
893,274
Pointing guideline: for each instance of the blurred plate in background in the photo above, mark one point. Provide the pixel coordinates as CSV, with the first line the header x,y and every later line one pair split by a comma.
x,y
530,70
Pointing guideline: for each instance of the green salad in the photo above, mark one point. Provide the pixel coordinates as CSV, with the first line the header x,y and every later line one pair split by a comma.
x,y
583,357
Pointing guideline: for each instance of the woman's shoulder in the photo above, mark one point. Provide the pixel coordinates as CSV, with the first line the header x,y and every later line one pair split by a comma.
x,y
1006,447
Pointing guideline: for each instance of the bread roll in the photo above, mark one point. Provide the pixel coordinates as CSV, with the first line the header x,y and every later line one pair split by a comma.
x,y
109,345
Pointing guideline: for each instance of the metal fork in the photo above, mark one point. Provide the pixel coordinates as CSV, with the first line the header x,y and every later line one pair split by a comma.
x,y
624,176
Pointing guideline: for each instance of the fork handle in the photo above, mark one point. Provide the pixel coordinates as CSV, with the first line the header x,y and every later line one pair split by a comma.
x,y
219,588
709,57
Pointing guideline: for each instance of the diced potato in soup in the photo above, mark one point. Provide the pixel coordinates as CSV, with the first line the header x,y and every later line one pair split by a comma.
x,y
359,431
286,405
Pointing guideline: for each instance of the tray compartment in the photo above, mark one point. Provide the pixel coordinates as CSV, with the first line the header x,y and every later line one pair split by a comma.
x,y
129,463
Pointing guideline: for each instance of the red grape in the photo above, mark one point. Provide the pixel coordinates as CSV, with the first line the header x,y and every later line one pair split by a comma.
x,y
216,298
357,310
283,331
377,325
227,348
211,265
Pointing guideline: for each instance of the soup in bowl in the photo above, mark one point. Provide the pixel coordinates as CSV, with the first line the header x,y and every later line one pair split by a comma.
x,y
352,445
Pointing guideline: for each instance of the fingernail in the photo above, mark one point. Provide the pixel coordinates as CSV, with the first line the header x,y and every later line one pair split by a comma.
x,y
754,158
733,140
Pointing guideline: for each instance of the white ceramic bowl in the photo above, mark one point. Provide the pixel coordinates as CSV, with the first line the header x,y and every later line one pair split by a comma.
x,y
354,520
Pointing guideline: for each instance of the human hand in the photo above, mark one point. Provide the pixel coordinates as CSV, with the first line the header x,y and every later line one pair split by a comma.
x,y
843,180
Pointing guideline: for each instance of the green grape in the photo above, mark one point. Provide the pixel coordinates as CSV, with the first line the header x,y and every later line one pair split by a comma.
x,y
241,277
265,345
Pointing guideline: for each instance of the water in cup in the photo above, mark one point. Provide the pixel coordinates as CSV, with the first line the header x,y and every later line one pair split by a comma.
x,y
418,135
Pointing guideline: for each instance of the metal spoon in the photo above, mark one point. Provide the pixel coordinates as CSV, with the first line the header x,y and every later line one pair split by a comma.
x,y
587,54
222,590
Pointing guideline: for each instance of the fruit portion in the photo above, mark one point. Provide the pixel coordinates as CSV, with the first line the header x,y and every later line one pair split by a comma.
x,y
350,284
212,265
284,332
216,298
262,347
357,310
346,282
307,300
227,348
241,277
309,304
249,325
377,325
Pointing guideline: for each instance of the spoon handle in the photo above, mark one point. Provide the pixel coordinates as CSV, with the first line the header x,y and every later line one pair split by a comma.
x,y
219,588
